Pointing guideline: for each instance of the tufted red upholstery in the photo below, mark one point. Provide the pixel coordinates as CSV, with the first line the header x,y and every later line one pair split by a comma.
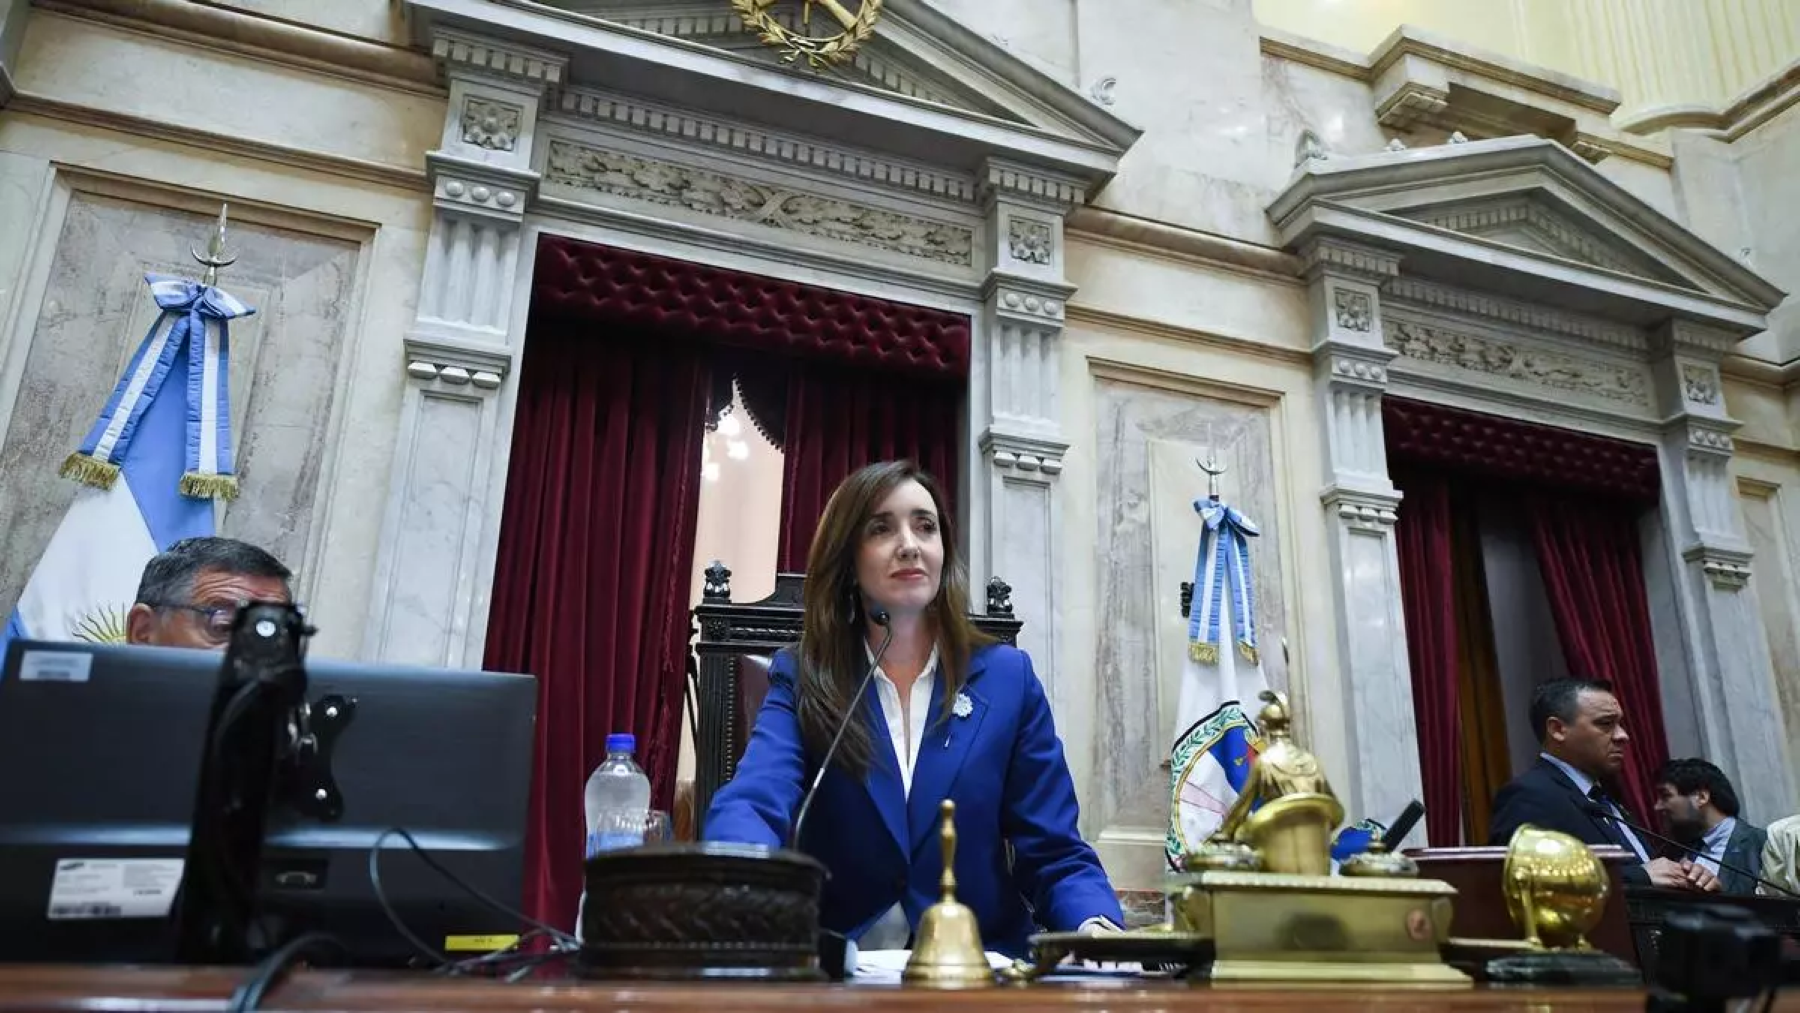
x,y
611,286
1487,446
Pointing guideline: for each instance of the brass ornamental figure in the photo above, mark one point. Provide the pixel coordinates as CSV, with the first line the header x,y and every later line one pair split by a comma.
x,y
215,257
1281,769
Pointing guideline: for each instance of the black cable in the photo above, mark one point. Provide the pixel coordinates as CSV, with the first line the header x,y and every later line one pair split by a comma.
x,y
425,949
1769,1003
269,973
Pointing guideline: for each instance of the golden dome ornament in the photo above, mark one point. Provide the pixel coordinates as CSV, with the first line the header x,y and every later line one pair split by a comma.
x,y
855,19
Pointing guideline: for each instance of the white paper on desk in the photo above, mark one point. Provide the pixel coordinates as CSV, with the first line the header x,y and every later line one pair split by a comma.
x,y
886,965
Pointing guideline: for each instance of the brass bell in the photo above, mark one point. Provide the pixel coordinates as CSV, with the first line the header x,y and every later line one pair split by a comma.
x,y
947,952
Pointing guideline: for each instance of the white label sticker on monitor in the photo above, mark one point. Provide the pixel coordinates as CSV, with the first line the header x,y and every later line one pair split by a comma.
x,y
55,666
114,888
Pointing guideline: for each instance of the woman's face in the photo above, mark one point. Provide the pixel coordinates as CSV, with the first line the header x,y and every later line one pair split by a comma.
x,y
900,563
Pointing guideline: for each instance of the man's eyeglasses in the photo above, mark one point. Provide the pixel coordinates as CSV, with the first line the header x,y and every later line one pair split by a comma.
x,y
215,620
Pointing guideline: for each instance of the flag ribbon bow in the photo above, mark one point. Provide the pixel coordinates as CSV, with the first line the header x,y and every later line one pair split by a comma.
x,y
196,316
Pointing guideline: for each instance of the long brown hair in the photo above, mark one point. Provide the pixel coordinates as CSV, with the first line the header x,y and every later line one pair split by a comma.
x,y
832,656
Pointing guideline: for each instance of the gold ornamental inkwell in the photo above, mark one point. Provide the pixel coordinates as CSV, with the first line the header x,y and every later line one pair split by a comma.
x,y
1258,903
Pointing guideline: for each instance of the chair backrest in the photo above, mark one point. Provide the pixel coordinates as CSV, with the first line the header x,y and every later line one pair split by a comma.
x,y
732,654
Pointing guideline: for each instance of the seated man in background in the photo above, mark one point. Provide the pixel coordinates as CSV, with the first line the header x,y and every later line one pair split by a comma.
x,y
1781,856
1580,727
189,594
1699,808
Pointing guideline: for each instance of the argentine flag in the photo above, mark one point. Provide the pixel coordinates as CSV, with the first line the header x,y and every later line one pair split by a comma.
x,y
1215,739
165,429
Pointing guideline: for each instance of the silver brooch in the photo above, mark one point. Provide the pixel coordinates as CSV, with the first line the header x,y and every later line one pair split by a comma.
x,y
963,706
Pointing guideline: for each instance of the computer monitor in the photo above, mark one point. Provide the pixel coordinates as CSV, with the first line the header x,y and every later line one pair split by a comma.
x,y
100,755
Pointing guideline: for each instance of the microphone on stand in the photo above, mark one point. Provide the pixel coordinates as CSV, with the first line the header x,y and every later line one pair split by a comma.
x,y
836,951
1602,812
1415,810
878,616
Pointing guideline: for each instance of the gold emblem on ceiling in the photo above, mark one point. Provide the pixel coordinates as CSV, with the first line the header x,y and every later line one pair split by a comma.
x,y
820,49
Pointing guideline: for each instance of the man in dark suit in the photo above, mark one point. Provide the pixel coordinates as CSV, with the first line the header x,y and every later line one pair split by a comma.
x,y
1580,727
1699,808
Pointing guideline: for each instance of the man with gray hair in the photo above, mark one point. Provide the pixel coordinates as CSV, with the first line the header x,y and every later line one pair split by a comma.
x,y
189,593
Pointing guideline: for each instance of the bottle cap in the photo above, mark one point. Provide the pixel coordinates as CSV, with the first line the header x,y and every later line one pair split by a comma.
x,y
621,742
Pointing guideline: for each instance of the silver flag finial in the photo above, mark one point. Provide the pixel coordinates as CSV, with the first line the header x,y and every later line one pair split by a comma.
x,y
215,257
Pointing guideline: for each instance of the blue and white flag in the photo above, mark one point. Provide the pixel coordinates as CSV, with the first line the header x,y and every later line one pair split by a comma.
x,y
1215,740
155,460
1222,585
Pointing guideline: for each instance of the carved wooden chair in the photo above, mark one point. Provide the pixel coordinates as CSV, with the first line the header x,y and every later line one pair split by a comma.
x,y
729,670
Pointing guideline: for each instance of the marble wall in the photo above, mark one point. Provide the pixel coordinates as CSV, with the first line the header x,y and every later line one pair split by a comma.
x,y
1772,524
285,369
1146,442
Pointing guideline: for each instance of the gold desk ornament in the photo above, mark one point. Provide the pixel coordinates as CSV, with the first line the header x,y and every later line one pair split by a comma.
x,y
1291,920
1556,890
1379,862
948,953
821,51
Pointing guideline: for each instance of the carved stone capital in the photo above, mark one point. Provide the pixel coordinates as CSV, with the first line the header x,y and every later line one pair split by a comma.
x,y
1709,438
1025,456
478,189
1362,509
1331,256
1007,181
460,54
1344,365
481,368
1726,568
1028,301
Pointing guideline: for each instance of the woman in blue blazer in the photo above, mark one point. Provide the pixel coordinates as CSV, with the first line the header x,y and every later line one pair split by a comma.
x,y
950,715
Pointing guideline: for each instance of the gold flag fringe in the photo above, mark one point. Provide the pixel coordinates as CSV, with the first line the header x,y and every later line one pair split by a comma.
x,y
209,486
1249,653
1203,652
90,471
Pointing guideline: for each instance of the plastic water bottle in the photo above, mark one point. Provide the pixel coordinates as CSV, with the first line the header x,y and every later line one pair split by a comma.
x,y
619,786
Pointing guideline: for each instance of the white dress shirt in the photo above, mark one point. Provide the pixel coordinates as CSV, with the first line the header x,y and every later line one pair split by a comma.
x,y
906,728
1585,784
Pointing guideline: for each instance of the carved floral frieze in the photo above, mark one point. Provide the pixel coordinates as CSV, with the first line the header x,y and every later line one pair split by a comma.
x,y
712,193
1029,241
1355,310
1699,385
491,125
1606,381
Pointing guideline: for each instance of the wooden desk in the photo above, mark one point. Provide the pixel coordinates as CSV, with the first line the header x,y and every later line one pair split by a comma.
x,y
204,990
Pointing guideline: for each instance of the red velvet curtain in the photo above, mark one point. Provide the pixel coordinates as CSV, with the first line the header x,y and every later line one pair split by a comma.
x,y
591,581
839,420
1423,541
1592,562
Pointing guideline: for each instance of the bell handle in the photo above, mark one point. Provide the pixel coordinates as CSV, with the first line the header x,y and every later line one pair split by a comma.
x,y
947,835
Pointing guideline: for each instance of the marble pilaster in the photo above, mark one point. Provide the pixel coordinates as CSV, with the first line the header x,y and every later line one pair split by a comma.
x,y
1733,678
444,496
1350,363
1015,415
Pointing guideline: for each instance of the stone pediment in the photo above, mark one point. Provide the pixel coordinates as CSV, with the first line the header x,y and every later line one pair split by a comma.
x,y
1526,218
1538,225
918,53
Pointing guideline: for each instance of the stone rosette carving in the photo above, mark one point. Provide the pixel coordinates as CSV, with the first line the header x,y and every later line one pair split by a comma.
x,y
1552,370
1699,385
1029,242
712,193
1726,574
1702,438
491,125
1355,310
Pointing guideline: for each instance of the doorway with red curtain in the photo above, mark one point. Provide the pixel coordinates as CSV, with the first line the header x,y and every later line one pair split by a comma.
x,y
1584,497
625,358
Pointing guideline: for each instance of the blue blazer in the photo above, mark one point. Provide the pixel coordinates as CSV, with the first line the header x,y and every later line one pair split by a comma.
x,y
1002,765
